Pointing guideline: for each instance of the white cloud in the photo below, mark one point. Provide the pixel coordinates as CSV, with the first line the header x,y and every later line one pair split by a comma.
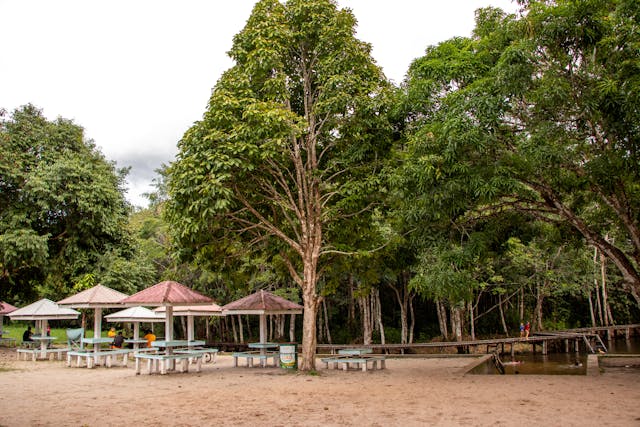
x,y
137,74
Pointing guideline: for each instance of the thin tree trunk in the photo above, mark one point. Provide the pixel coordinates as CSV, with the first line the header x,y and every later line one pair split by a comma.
x,y
326,321
383,340
593,317
472,323
412,325
504,322
366,319
442,319
233,325
292,328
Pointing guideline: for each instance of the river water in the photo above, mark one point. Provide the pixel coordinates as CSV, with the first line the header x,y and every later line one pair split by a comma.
x,y
555,363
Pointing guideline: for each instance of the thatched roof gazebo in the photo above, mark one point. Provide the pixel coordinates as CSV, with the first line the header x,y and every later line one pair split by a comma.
x,y
5,308
190,311
96,298
168,294
262,303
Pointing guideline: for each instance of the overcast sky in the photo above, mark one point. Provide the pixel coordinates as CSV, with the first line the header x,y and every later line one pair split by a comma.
x,y
137,73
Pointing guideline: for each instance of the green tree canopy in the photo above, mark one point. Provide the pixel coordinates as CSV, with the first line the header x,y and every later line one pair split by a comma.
x,y
61,206
288,152
536,114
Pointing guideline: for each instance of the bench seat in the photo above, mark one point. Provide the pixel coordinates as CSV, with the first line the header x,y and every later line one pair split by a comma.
x,y
36,352
250,355
359,361
208,354
159,361
10,342
90,357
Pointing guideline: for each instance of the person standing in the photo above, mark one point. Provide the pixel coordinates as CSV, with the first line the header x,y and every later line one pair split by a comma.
x,y
521,329
527,329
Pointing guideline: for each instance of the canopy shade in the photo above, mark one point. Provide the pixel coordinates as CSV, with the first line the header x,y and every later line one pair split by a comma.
x,y
262,302
135,314
212,309
97,296
167,293
6,308
43,309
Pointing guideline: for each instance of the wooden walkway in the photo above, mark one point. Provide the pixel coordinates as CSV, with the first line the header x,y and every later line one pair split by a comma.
x,y
566,340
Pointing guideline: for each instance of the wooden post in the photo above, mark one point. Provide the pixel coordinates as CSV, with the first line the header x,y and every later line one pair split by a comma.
x,y
544,348
566,346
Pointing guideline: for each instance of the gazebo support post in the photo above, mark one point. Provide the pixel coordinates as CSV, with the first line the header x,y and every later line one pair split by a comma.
x,y
97,332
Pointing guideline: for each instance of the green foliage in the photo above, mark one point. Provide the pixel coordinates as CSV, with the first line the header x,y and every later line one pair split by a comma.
x,y
61,206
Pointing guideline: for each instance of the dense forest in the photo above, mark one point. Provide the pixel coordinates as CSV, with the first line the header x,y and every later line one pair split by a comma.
x,y
498,183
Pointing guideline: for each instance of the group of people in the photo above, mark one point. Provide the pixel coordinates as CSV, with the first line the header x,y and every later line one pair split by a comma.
x,y
118,339
525,328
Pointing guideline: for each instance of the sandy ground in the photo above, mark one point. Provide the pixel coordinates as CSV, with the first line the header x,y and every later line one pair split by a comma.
x,y
410,392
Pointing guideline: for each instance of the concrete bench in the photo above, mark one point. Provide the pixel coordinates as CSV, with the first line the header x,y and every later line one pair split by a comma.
x,y
90,356
8,341
208,354
359,361
36,353
250,355
159,361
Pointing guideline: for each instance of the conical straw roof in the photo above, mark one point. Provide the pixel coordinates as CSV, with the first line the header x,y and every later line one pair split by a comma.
x,y
97,296
167,293
262,302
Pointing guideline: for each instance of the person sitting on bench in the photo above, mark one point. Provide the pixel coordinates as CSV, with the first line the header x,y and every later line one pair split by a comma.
x,y
118,341
27,335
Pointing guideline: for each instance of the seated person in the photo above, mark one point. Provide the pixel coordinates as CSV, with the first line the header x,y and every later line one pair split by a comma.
x,y
150,337
118,341
111,333
27,335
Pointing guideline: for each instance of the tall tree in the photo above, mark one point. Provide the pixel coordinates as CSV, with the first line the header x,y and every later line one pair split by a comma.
x,y
536,114
288,150
62,206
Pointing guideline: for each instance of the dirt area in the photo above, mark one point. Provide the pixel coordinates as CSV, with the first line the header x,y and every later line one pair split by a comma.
x,y
409,392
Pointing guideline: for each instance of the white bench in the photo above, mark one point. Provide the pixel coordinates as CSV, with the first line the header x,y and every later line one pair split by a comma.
x,y
159,361
359,362
36,353
91,356
250,355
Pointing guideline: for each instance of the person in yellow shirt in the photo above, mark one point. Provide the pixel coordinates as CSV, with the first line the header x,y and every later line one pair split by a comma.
x,y
111,333
150,337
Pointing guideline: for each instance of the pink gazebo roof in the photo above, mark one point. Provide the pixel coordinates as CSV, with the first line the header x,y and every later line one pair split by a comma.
x,y
167,293
97,296
6,308
262,302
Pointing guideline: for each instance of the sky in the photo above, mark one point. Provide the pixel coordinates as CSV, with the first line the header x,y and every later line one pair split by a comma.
x,y
136,74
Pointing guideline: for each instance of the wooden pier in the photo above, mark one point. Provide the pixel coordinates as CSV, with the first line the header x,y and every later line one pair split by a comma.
x,y
565,340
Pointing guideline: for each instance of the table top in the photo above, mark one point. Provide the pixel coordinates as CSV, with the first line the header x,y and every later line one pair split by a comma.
x,y
176,343
263,345
354,351
42,338
99,340
138,341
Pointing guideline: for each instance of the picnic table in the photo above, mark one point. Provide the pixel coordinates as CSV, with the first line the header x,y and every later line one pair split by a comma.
x,y
263,353
174,350
39,346
359,357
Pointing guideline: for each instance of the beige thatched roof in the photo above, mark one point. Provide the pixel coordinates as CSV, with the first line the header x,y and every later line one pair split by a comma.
x,y
43,309
135,314
97,296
